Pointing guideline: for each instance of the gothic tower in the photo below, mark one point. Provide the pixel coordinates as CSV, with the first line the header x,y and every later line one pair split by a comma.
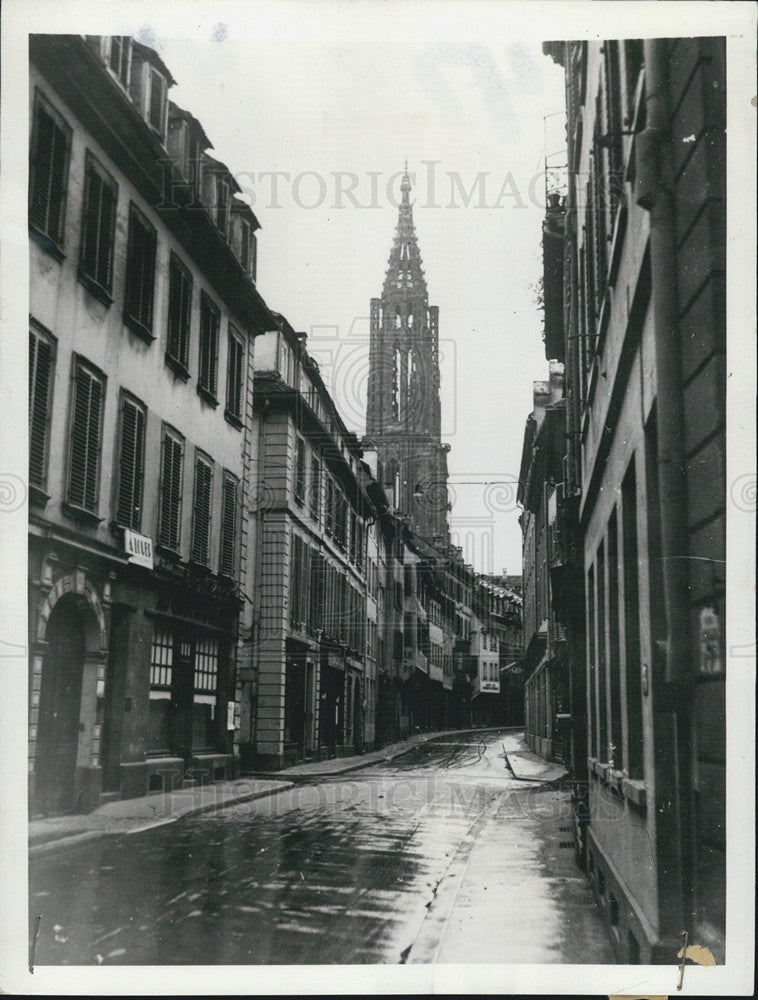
x,y
403,411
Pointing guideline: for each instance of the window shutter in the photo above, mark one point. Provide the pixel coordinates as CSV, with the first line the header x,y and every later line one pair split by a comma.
x,y
228,527
157,90
171,492
234,376
140,272
131,465
91,223
202,513
41,359
208,346
85,440
43,159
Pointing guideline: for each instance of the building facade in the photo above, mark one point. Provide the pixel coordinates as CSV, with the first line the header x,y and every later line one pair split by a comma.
x,y
311,692
638,318
143,311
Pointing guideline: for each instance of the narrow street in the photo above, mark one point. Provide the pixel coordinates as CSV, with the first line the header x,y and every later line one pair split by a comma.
x,y
437,856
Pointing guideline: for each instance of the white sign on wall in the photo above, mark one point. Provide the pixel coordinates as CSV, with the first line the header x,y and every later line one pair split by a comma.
x,y
139,548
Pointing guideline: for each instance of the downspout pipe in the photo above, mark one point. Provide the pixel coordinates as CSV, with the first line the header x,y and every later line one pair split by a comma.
x,y
655,193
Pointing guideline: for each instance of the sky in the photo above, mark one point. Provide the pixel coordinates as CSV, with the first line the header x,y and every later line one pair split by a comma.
x,y
337,118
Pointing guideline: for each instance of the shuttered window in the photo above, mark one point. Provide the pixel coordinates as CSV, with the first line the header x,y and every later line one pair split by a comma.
x,y
329,506
121,58
245,245
222,204
228,546
86,430
98,224
179,312
171,490
156,113
140,273
234,375
41,370
131,463
315,487
48,175
300,471
201,514
210,319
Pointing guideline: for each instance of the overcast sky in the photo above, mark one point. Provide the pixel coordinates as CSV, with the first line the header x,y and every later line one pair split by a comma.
x,y
317,109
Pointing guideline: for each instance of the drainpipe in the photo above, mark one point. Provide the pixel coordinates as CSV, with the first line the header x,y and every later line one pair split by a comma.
x,y
655,194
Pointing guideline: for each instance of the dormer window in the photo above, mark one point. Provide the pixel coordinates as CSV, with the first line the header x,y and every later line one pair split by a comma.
x,y
156,103
222,204
120,58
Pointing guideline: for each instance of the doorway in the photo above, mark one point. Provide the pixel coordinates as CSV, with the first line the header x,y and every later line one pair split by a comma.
x,y
59,711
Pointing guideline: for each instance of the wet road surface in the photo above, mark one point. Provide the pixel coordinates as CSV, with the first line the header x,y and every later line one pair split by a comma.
x,y
436,856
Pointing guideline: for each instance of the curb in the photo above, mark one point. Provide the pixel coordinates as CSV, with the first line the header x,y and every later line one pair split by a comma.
x,y
65,843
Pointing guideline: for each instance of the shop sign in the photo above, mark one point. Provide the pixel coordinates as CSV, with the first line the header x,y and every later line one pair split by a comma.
x,y
139,548
493,686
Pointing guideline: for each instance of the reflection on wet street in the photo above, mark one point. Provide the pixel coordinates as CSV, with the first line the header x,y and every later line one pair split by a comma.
x,y
368,868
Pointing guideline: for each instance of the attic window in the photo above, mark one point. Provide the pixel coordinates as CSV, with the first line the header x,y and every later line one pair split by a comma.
x,y
222,205
120,59
156,108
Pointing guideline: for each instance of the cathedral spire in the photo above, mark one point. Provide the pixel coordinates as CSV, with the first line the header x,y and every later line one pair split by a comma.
x,y
403,414
404,271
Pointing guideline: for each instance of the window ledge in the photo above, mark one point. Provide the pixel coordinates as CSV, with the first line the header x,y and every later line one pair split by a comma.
x,y
95,289
37,496
170,555
176,366
207,395
46,243
233,419
138,327
80,514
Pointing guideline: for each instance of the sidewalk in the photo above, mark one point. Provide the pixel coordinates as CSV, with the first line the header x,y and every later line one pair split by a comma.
x,y
128,816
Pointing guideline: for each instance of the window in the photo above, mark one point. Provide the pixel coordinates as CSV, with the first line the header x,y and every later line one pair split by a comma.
x,y
210,320
179,313
204,729
140,274
631,618
221,208
340,520
315,487
228,546
131,463
248,248
602,663
120,59
98,227
300,471
201,514
245,245
41,371
329,506
235,371
614,646
353,533
48,173
85,437
161,670
156,107
171,490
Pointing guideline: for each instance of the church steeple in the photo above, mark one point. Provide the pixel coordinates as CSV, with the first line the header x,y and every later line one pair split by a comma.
x,y
403,413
